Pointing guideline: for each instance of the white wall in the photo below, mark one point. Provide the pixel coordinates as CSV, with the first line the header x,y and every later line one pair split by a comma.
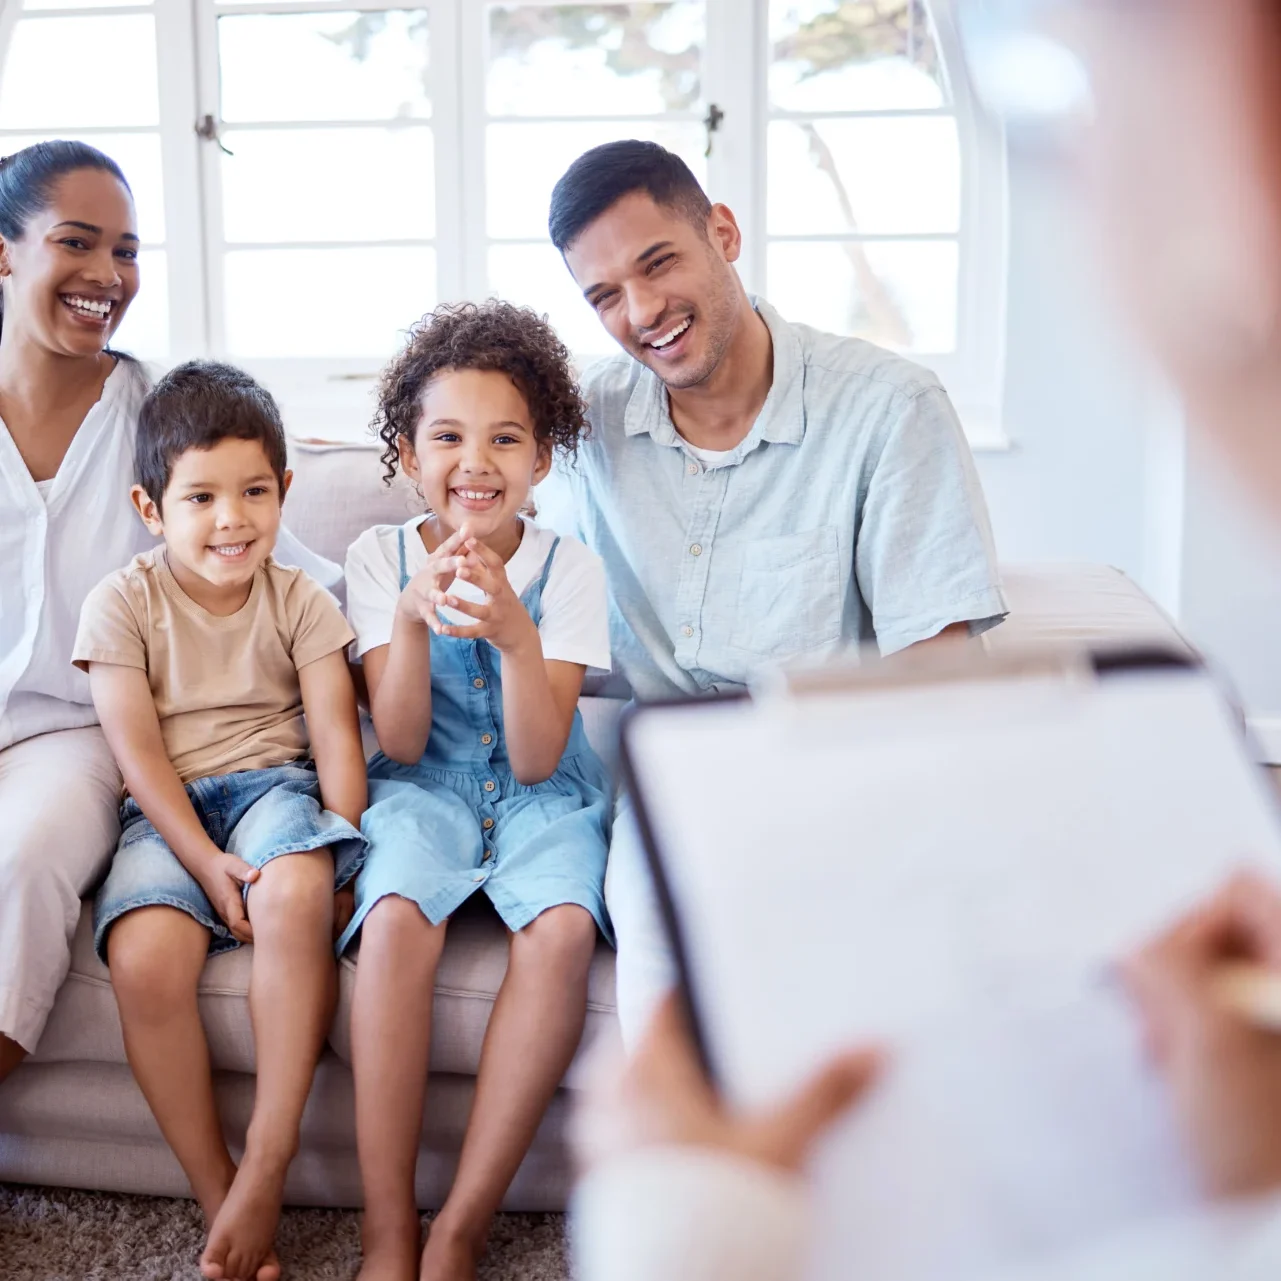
x,y
1076,398
1100,469
1232,589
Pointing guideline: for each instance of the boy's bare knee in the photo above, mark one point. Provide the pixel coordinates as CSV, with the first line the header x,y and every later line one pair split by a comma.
x,y
562,936
294,885
155,955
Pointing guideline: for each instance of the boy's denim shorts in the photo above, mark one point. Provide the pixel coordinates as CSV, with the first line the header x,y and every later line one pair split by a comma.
x,y
258,815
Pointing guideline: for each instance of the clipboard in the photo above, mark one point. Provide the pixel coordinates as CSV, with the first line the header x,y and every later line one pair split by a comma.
x,y
947,855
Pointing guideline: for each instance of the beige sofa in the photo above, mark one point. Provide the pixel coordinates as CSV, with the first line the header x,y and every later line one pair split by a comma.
x,y
72,1116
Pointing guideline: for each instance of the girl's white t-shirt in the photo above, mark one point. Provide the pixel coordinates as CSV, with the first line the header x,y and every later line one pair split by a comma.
x,y
575,611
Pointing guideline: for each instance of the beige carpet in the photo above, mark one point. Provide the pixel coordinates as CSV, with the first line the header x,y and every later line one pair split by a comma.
x,y
48,1234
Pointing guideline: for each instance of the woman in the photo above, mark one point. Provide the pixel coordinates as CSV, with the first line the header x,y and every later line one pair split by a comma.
x,y
68,412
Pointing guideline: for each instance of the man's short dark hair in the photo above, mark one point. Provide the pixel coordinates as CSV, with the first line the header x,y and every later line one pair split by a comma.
x,y
196,405
601,177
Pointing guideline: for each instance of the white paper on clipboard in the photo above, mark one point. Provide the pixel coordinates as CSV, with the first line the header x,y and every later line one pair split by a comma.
x,y
952,868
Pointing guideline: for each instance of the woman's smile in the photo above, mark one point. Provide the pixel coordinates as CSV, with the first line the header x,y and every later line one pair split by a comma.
x,y
88,309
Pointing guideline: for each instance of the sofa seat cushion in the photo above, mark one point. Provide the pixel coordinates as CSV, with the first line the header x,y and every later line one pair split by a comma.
x,y
1057,604
85,1024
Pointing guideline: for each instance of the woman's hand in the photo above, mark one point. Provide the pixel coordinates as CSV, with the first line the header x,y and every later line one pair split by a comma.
x,y
504,622
663,1097
1223,1071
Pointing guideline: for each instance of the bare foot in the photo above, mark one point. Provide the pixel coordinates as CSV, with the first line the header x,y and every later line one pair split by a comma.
x,y
448,1256
240,1245
390,1247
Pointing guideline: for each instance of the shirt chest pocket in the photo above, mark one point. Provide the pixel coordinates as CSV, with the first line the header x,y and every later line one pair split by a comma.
x,y
790,596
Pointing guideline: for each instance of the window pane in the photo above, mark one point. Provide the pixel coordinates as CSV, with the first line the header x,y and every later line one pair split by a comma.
x,y
888,175
35,5
324,66
535,276
831,55
144,332
137,154
64,72
594,59
325,302
523,162
898,294
315,184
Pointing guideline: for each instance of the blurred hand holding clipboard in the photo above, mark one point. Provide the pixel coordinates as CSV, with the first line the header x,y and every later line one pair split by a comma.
x,y
948,857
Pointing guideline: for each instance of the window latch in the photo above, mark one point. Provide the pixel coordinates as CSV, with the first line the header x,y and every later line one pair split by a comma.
x,y
207,128
712,122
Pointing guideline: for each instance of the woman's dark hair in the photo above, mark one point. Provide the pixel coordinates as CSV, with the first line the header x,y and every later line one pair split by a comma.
x,y
196,405
601,177
491,335
27,179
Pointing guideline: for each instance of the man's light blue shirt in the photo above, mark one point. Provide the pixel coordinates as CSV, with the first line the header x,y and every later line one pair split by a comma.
x,y
850,512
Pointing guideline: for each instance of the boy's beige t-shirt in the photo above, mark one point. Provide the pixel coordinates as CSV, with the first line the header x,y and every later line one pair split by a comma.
x,y
226,688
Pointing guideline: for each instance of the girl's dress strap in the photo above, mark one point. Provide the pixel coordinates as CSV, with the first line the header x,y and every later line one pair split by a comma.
x,y
547,567
404,573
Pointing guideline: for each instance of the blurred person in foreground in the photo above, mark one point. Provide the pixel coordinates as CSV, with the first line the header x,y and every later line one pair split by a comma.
x,y
1182,162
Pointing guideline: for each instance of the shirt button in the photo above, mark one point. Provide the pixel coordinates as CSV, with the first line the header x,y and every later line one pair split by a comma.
x,y
480,876
692,469
480,684
490,785
687,631
487,739
487,856
696,550
487,824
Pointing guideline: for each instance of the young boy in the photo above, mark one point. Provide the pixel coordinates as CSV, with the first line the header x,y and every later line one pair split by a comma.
x,y
203,656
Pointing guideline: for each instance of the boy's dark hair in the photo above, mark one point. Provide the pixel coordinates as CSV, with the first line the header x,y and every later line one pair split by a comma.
x,y
496,335
196,405
601,177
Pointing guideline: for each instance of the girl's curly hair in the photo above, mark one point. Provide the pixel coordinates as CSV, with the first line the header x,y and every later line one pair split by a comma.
x,y
495,335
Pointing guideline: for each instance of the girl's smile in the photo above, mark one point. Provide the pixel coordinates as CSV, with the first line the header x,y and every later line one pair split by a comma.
x,y
475,455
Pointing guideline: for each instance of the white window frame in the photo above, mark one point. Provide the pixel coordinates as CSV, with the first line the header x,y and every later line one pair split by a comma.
x,y
323,391
974,371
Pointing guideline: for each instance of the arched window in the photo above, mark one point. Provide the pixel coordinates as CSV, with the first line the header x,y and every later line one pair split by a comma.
x,y
312,175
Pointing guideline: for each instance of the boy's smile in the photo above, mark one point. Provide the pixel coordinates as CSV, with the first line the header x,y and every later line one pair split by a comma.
x,y
219,518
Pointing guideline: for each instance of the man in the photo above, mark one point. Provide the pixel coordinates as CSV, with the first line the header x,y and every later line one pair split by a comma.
x,y
759,491
1183,148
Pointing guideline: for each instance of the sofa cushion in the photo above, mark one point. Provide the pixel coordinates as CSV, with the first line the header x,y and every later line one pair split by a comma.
x,y
85,1024
338,493
1058,603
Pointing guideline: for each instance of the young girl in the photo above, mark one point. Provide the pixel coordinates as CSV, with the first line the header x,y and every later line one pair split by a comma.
x,y
475,628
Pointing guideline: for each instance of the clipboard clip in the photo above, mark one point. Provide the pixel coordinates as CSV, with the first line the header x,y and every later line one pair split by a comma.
x,y
865,671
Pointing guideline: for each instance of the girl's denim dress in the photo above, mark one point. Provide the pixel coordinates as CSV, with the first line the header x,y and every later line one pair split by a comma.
x,y
458,820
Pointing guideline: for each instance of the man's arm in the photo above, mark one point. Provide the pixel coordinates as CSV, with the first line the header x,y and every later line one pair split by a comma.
x,y
948,636
924,558
122,697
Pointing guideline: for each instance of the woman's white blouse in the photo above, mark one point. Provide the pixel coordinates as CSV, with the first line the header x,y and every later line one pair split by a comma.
x,y
55,548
